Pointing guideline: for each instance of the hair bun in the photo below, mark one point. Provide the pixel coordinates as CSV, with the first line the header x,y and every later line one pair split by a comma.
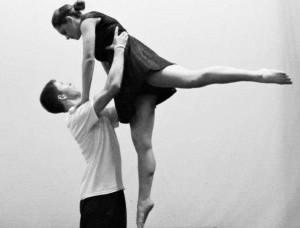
x,y
79,5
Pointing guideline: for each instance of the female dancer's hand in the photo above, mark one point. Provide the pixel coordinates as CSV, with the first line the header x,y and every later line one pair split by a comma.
x,y
120,41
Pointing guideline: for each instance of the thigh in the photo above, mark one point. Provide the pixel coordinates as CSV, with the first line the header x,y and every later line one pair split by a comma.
x,y
102,211
119,218
173,76
142,123
93,213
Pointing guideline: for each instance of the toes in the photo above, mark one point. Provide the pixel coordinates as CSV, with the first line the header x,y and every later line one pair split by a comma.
x,y
288,81
143,211
140,225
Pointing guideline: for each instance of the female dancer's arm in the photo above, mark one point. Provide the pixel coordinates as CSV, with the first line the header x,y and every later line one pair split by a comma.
x,y
88,62
115,74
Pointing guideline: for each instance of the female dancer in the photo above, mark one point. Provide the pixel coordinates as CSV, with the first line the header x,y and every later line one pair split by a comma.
x,y
148,80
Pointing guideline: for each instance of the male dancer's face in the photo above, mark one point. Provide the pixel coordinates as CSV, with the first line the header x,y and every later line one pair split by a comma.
x,y
68,90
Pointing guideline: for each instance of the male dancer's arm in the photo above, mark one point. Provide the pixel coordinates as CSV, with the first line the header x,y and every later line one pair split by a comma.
x,y
105,66
115,74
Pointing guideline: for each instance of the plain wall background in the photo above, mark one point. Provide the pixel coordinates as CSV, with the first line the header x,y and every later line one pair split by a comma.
x,y
227,155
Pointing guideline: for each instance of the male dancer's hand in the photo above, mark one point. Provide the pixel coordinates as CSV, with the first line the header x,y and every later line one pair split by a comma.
x,y
120,41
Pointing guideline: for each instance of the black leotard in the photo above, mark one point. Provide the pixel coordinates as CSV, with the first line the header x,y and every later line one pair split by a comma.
x,y
139,61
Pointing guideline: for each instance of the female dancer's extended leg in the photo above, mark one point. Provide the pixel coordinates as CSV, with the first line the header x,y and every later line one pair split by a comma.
x,y
142,123
141,132
179,77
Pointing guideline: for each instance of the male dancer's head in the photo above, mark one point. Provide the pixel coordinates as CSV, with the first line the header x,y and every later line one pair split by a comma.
x,y
59,97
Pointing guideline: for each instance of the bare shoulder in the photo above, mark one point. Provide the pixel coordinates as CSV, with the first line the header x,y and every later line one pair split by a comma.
x,y
89,23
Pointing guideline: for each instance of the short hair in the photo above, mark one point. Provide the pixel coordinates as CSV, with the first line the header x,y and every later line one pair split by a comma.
x,y
59,15
49,98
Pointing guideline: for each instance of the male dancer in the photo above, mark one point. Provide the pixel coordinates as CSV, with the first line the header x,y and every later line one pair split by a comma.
x,y
102,198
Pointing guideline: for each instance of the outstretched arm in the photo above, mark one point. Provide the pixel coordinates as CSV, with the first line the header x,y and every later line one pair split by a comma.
x,y
115,74
88,61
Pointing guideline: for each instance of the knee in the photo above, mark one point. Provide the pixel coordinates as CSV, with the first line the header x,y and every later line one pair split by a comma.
x,y
193,79
203,77
142,146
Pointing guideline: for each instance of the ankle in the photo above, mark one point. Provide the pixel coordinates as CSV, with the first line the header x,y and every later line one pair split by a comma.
x,y
146,201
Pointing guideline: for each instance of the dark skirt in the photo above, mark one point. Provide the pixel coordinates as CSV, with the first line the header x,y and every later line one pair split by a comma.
x,y
139,62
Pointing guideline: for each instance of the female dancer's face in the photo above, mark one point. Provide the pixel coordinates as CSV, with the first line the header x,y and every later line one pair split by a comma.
x,y
71,29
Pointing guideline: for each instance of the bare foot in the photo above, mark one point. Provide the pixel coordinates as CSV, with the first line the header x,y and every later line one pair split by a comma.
x,y
143,209
274,76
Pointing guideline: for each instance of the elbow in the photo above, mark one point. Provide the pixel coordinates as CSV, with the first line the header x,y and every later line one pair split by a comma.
x,y
116,87
89,60
113,89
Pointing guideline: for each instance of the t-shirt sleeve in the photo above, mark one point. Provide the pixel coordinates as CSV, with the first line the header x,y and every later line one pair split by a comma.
x,y
112,115
82,120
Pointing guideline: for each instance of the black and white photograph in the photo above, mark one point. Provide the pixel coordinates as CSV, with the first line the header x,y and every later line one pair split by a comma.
x,y
150,114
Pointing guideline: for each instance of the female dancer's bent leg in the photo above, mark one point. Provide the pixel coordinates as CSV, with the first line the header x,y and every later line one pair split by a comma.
x,y
179,77
141,132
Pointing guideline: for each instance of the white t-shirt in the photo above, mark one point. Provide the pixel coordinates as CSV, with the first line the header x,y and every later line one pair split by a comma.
x,y
100,148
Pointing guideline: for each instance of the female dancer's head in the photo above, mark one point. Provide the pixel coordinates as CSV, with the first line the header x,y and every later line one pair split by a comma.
x,y
66,20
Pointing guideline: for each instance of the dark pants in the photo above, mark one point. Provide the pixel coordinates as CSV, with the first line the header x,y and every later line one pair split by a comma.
x,y
104,211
